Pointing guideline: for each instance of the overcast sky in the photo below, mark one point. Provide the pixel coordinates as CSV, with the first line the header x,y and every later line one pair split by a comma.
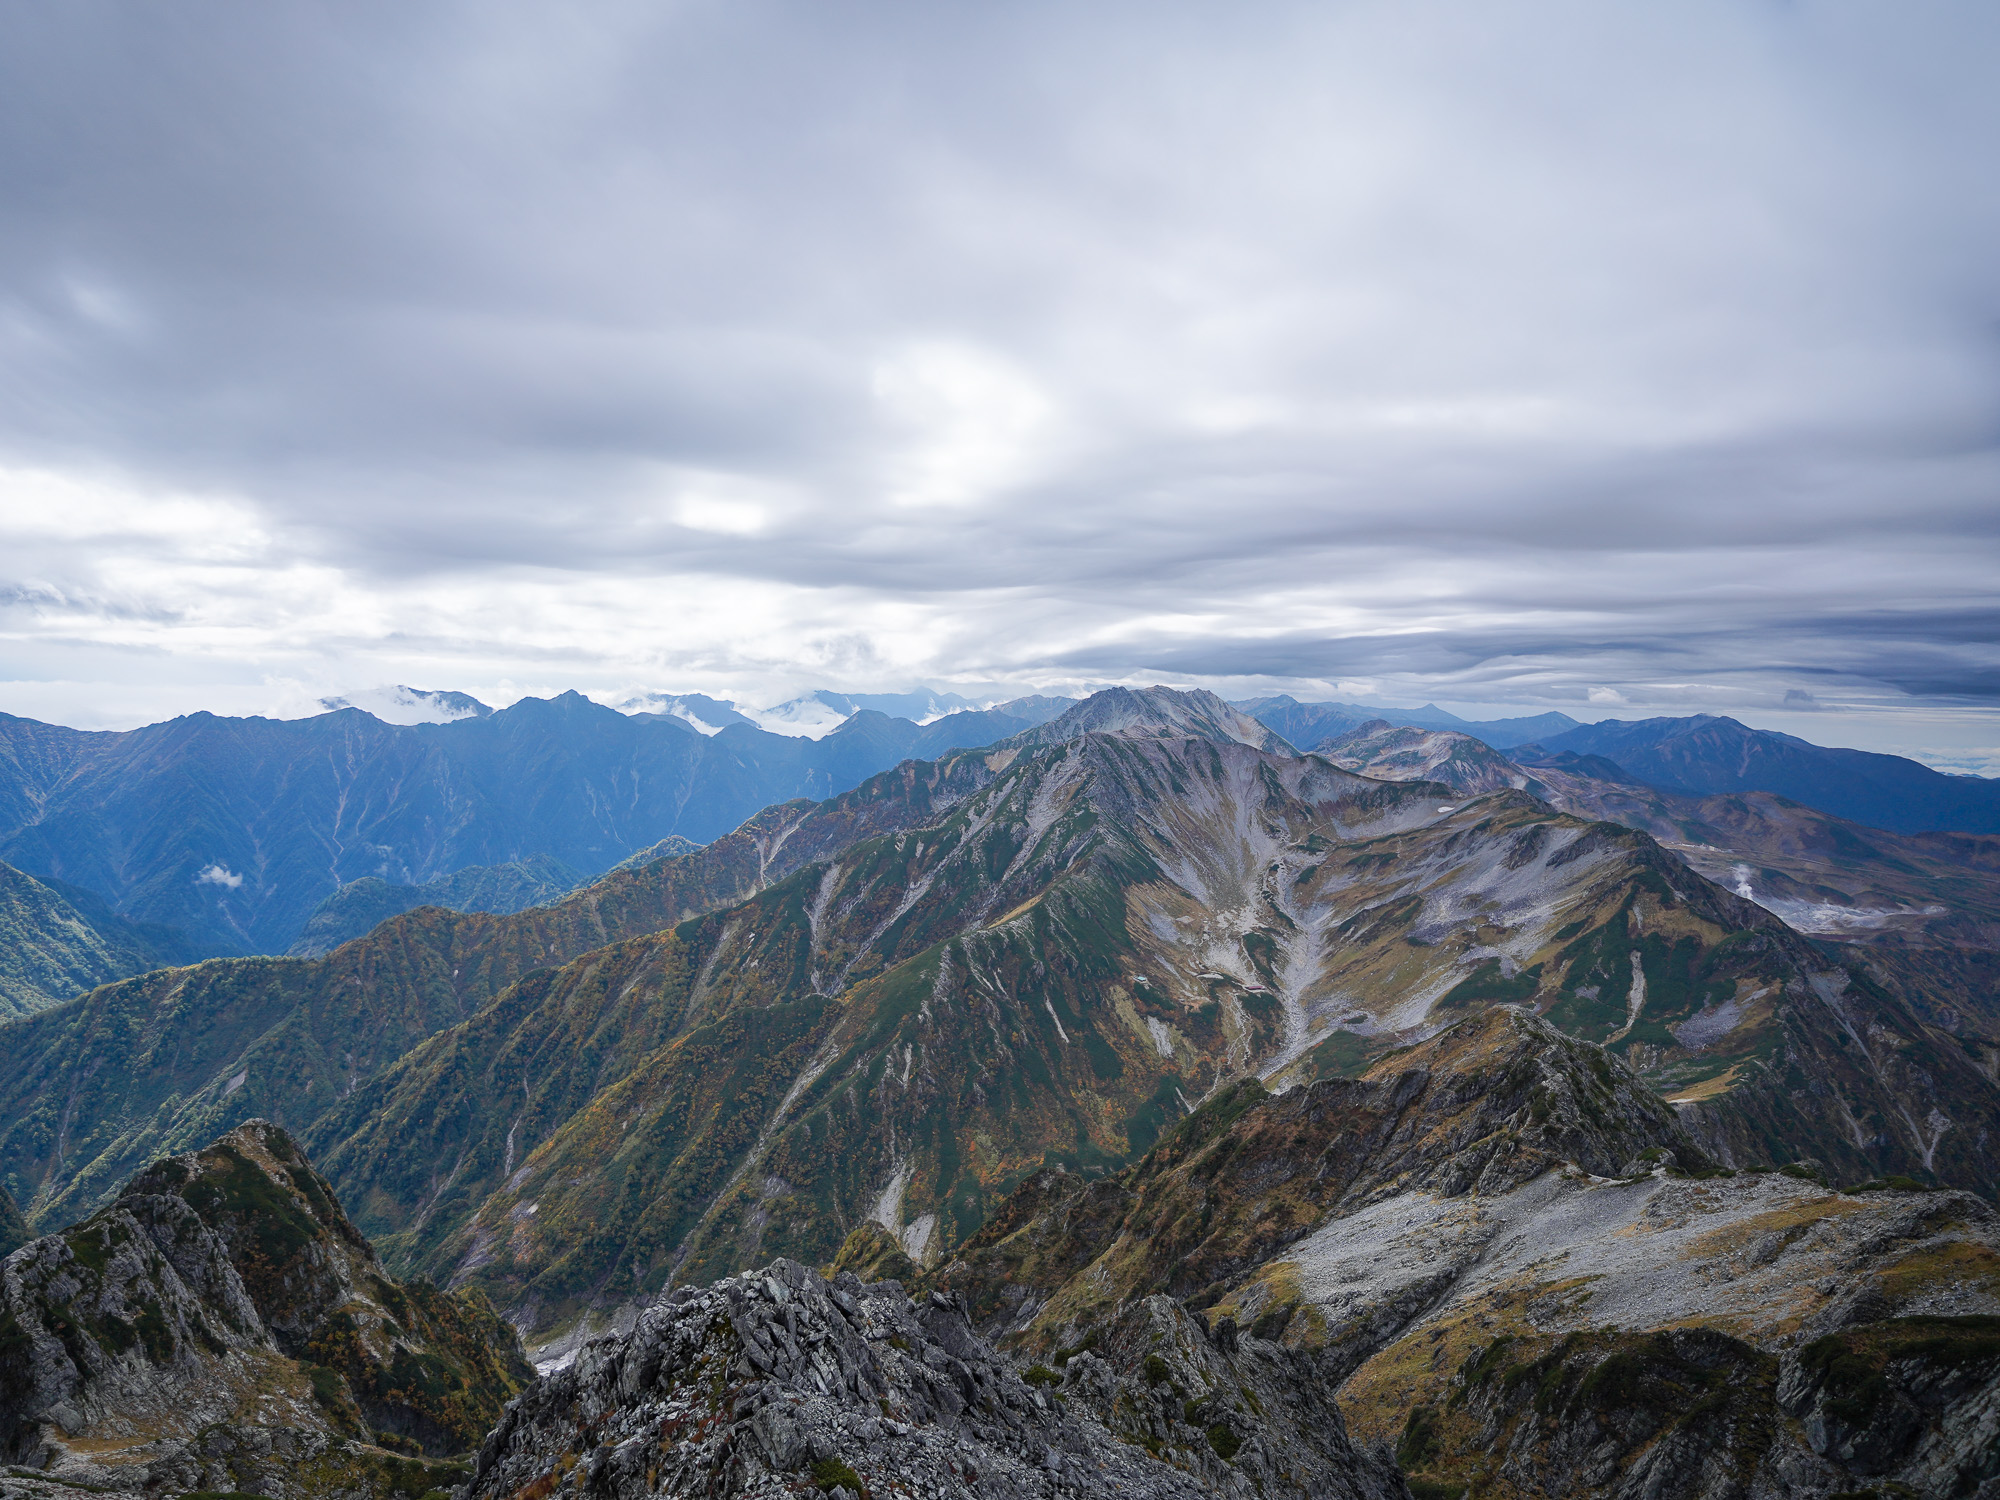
x,y
1602,356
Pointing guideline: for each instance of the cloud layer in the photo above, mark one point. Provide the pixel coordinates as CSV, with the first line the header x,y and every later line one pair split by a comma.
x,y
1539,354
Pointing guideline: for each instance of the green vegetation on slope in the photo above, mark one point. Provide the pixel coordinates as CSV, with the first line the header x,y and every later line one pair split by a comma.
x,y
92,1090
57,942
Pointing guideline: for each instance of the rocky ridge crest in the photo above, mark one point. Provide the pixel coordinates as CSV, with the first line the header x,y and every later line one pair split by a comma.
x,y
779,1381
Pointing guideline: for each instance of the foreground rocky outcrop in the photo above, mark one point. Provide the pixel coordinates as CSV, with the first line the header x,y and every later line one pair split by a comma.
x,y
222,1325
780,1382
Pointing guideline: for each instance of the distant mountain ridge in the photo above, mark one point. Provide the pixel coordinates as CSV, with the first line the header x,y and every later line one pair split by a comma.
x,y
1822,874
360,906
1708,753
233,831
1308,723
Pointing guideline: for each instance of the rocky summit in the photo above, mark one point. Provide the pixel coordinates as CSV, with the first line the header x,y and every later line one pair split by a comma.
x,y
780,1382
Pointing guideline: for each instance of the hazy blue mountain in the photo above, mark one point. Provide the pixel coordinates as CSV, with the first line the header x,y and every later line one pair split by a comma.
x,y
919,705
697,710
1706,754
1310,723
234,831
359,906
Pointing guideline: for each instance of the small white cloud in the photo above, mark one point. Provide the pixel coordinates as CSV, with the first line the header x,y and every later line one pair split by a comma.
x,y
1606,695
219,875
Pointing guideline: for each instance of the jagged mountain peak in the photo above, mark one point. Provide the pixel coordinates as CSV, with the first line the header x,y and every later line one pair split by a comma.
x,y
223,1315
780,1381
1157,713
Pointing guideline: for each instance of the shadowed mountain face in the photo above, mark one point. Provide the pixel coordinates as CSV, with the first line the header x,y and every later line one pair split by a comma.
x,y
223,1304
234,830
14,1231
1705,754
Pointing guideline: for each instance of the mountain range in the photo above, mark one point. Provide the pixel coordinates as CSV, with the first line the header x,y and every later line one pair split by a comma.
x,y
1404,1115
233,831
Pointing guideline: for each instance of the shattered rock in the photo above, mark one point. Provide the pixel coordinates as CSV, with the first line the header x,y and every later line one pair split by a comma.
x,y
779,1382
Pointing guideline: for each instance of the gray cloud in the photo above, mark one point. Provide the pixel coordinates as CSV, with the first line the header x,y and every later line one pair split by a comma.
x,y
1505,353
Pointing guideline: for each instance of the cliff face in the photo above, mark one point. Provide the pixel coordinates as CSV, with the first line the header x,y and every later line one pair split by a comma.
x,y
223,1303
781,1382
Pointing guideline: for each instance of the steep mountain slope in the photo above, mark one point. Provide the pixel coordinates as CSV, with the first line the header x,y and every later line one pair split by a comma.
x,y
223,1299
1753,1334
1455,1242
1054,970
777,1382
360,906
57,942
92,1090
234,830
1031,974
1706,754
1822,874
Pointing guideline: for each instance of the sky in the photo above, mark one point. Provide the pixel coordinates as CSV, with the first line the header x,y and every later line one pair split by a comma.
x,y
1611,358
